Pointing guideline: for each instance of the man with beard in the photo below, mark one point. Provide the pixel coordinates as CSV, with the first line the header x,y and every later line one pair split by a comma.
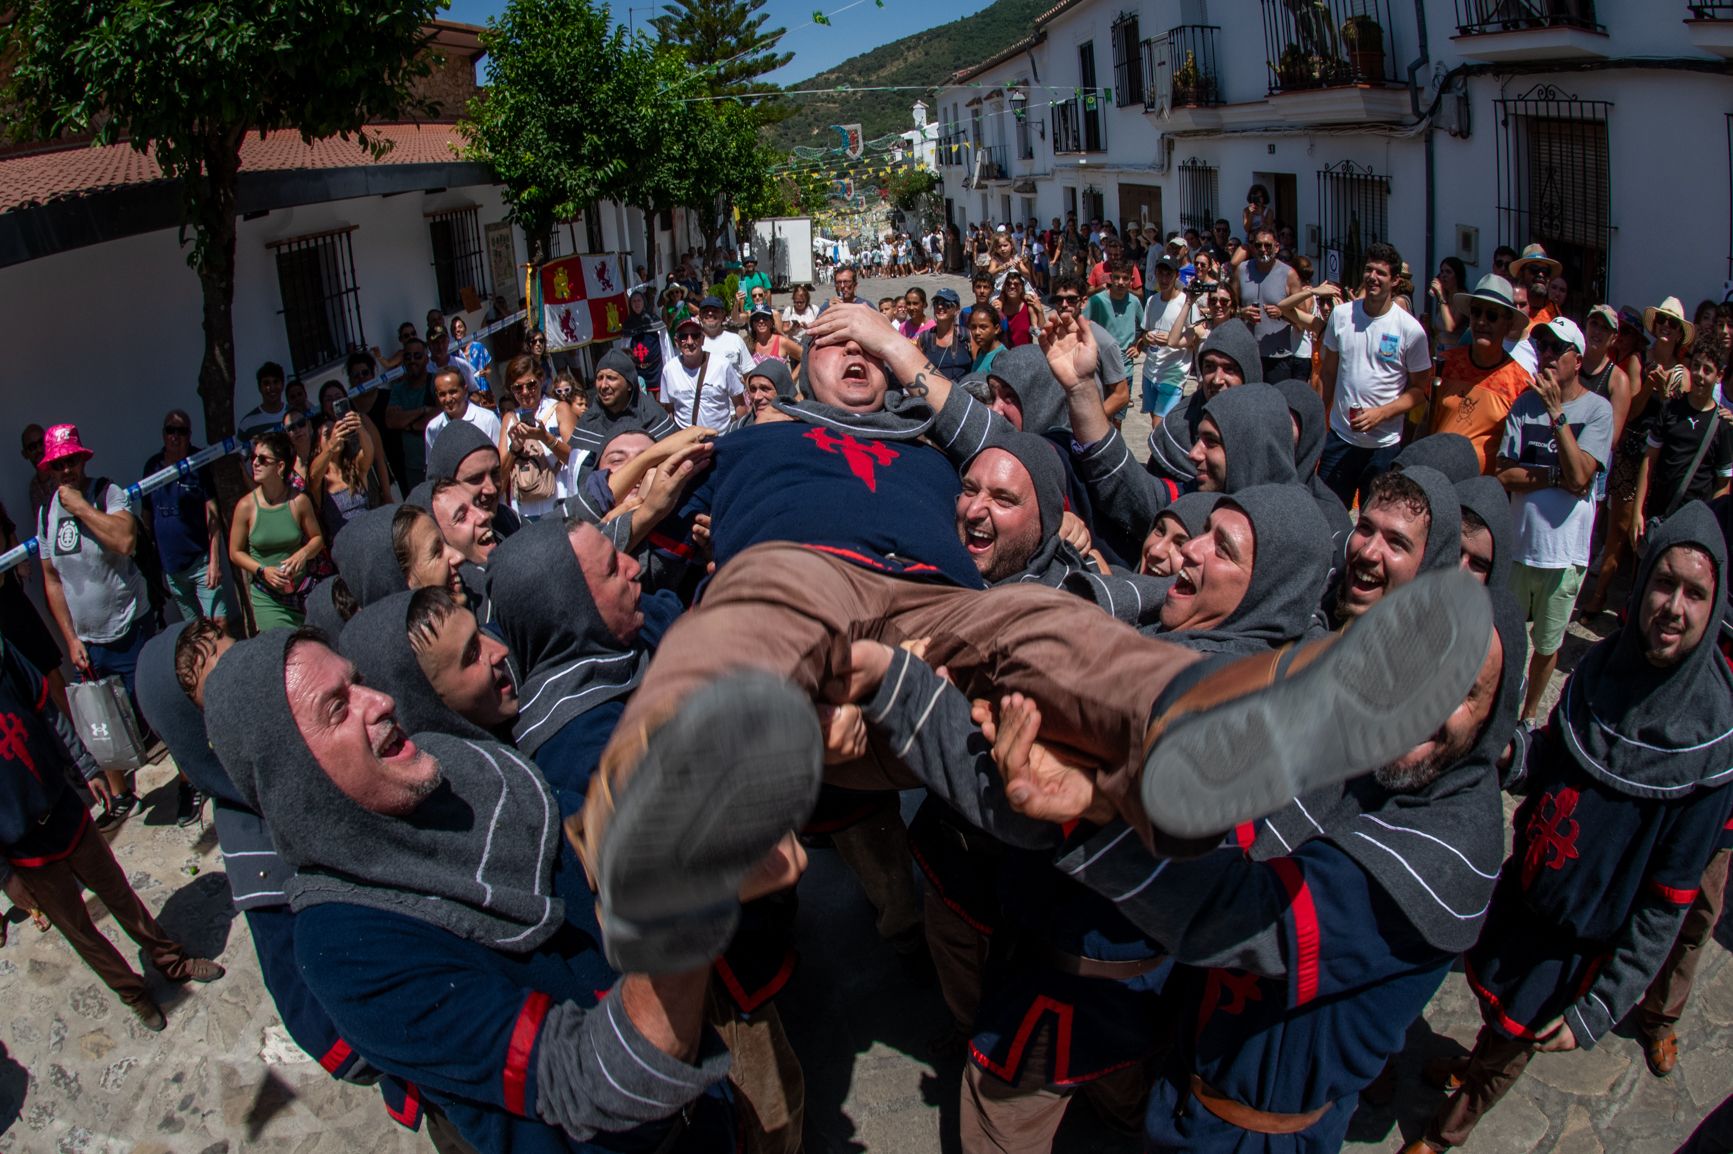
x,y
1479,382
1627,799
1410,524
445,955
1071,1007
842,522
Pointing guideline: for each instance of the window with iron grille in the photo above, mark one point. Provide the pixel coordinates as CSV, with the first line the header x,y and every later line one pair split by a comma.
x,y
1555,184
1127,62
1197,194
458,258
1089,99
1353,214
593,227
1020,114
321,303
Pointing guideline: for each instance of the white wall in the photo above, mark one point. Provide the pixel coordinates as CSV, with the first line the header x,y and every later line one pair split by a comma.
x,y
112,334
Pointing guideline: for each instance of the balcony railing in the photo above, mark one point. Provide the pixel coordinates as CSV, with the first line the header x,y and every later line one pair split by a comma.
x,y
1329,43
1076,126
1719,11
1181,63
1484,17
952,148
989,162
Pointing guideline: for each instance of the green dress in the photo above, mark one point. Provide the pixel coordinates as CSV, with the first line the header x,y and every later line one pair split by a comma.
x,y
275,535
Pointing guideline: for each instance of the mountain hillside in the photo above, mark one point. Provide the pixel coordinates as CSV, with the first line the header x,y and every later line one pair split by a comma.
x,y
926,58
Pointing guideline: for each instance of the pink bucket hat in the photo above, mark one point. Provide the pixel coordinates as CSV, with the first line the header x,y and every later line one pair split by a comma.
x,y
62,441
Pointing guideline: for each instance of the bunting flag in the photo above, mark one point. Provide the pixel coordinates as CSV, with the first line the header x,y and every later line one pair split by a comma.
x,y
583,300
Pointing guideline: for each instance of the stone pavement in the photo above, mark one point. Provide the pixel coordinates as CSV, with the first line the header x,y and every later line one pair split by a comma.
x,y
79,1076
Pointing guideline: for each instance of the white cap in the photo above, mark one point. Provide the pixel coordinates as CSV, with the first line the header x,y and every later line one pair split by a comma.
x,y
1565,330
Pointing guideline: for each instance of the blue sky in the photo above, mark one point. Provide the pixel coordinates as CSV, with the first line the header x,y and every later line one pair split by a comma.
x,y
851,31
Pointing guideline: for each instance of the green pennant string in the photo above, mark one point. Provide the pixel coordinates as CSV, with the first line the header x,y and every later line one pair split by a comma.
x,y
819,17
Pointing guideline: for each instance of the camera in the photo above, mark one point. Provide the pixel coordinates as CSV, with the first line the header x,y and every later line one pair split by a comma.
x,y
341,408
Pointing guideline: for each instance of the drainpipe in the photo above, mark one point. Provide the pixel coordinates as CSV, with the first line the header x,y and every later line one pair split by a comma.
x,y
1414,69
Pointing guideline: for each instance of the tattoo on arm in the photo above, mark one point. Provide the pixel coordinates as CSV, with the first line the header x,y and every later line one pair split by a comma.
x,y
919,387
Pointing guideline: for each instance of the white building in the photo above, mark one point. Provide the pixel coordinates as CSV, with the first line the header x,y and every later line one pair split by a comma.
x,y
335,249
1600,128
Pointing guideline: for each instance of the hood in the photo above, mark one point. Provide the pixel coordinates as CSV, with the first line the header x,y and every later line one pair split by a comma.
x,y
1646,731
440,863
1025,371
177,720
1308,410
640,411
1040,458
1444,536
1191,510
1289,568
1170,442
775,370
570,663
455,442
1235,340
363,555
377,641
1450,453
1486,498
1257,435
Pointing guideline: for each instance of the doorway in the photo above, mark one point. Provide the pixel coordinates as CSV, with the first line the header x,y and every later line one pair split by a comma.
x,y
1283,188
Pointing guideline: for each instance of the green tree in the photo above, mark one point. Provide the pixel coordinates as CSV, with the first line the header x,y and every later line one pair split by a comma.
x,y
724,39
570,96
186,80
912,191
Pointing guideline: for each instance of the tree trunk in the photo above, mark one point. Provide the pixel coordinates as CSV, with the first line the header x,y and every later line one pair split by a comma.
x,y
215,264
650,215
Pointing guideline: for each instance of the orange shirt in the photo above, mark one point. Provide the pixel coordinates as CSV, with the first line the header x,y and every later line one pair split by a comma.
x,y
1474,401
1547,312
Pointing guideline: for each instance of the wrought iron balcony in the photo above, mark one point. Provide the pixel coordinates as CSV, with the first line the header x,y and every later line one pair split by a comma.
x,y
1180,64
1328,43
1486,17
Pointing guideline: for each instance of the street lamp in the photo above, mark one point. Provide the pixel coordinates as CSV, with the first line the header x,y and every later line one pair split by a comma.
x,y
1019,100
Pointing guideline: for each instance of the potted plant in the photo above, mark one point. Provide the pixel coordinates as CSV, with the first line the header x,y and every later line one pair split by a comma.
x,y
1364,38
1294,70
1187,86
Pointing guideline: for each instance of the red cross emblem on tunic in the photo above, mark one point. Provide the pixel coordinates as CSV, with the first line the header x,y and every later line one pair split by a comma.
x,y
861,458
1231,991
13,746
1552,834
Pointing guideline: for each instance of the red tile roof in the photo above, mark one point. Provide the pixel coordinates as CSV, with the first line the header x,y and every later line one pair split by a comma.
x,y
40,177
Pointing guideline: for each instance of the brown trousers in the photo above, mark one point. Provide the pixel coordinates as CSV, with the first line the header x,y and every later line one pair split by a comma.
x,y
876,851
91,864
959,958
766,1073
784,608
1493,1068
1671,989
1022,1119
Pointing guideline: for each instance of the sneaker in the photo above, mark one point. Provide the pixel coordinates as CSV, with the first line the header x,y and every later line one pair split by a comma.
x,y
676,821
189,804
1252,735
149,1015
114,815
197,970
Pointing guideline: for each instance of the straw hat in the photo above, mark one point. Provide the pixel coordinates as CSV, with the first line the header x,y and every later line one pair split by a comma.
x,y
1490,289
1532,256
1671,307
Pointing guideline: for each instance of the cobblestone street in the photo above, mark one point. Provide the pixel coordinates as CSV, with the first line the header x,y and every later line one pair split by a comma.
x,y
79,1076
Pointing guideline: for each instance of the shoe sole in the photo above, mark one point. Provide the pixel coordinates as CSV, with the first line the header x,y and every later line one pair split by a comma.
x,y
1385,686
718,786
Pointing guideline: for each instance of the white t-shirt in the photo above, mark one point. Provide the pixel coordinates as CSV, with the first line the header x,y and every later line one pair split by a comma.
x,y
731,348
1554,526
793,322
1376,355
481,418
1164,362
721,385
105,592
